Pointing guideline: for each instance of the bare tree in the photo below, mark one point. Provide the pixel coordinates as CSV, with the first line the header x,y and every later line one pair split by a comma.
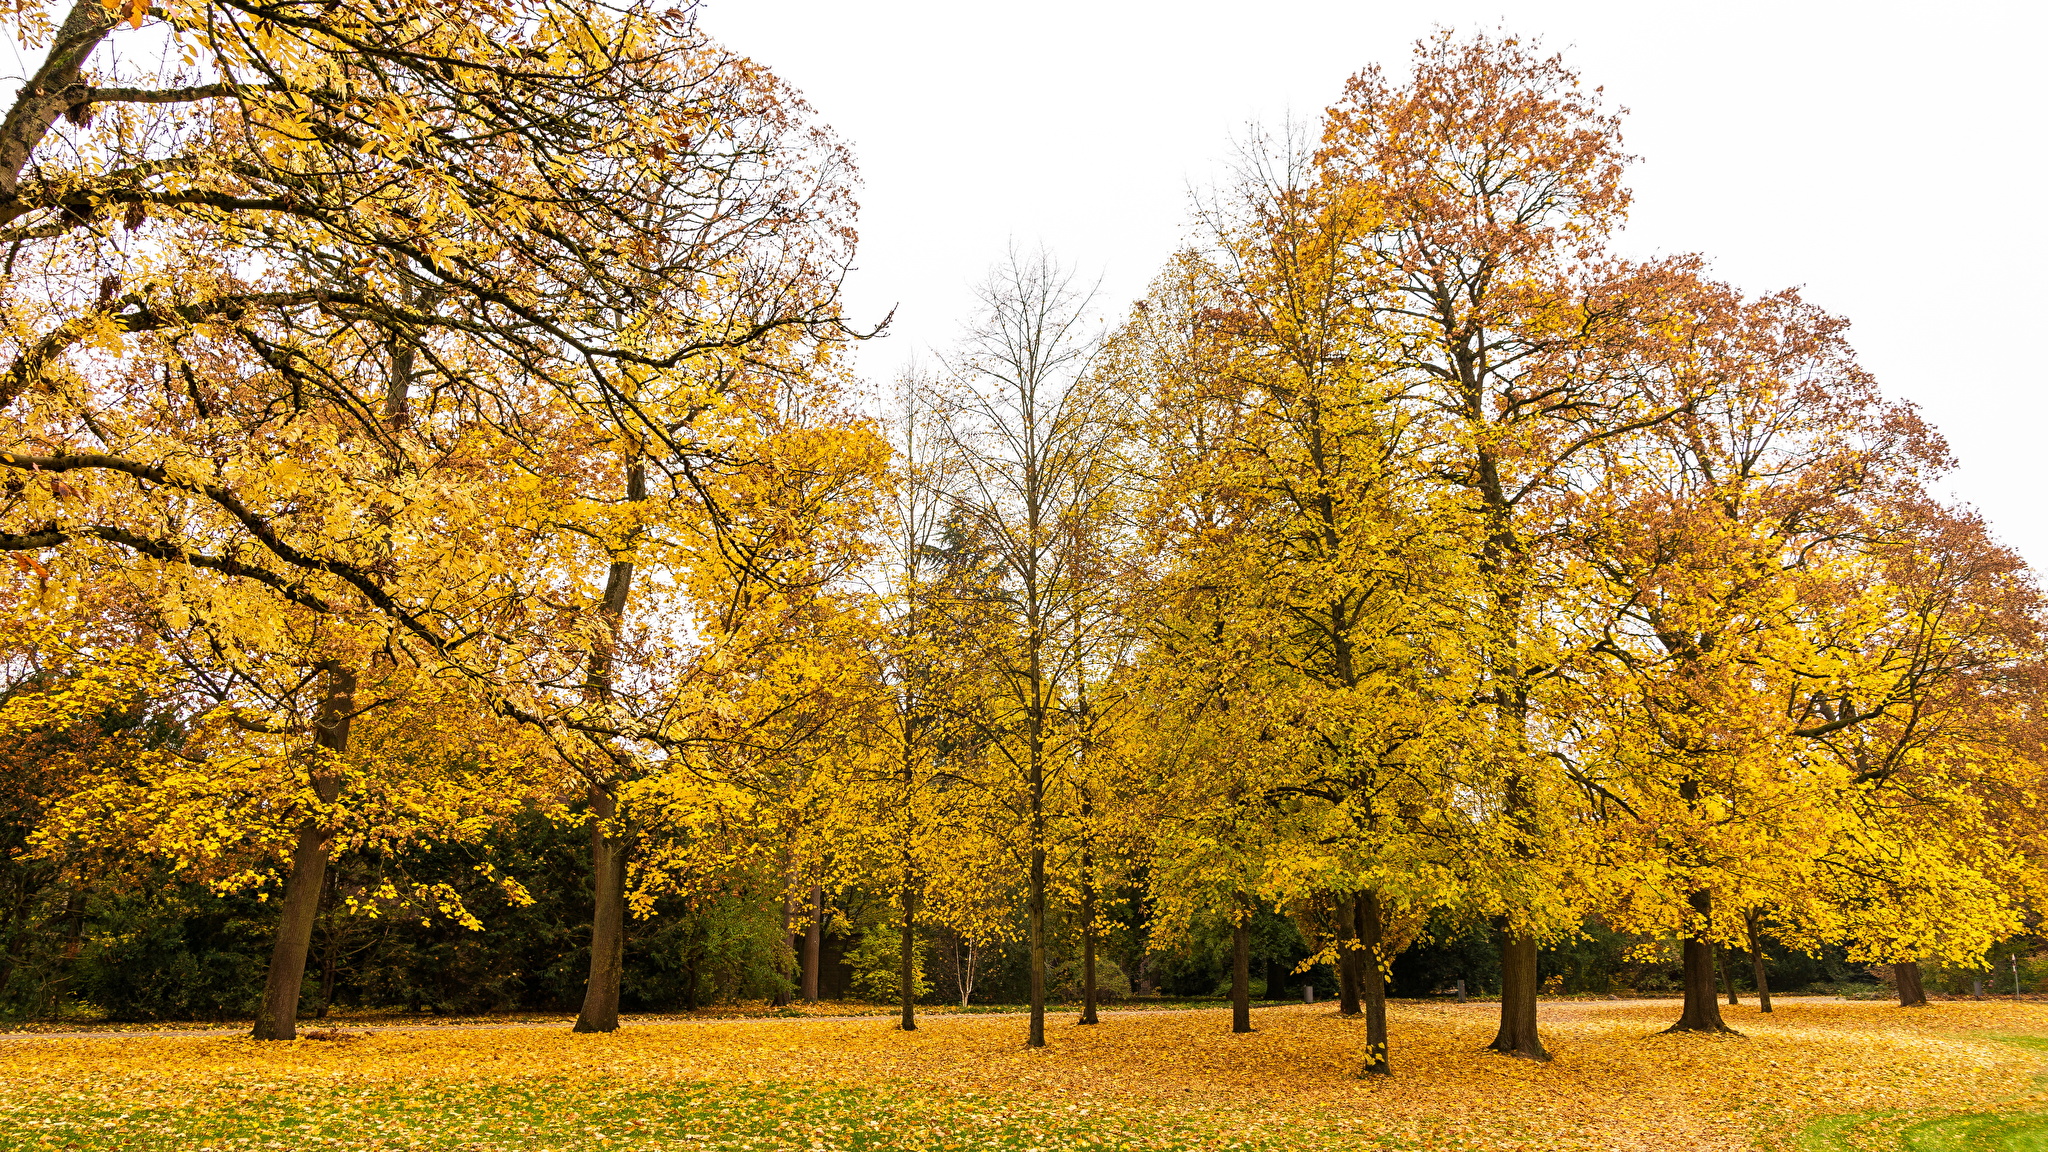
x,y
1031,483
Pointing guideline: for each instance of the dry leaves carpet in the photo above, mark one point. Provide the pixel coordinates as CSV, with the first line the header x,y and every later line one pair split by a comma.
x,y
1137,1081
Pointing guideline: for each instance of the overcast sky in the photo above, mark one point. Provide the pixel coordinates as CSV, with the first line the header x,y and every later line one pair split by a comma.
x,y
1884,157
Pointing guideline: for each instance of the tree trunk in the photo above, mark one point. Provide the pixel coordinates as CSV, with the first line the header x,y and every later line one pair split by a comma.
x,y
1756,963
608,848
1727,981
781,998
1373,984
277,1016
1911,993
814,943
906,972
1087,944
1036,1036
609,844
1976,987
1518,1035
1240,971
1702,1008
1347,957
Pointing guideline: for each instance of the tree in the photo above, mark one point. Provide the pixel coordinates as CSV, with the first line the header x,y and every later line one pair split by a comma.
x,y
1031,489
454,215
1497,181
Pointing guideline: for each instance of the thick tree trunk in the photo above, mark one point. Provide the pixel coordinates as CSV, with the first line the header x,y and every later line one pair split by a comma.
x,y
1756,963
906,972
814,943
277,1015
1347,957
608,849
1373,984
1240,971
1518,1035
1087,946
1727,981
1702,1008
1911,993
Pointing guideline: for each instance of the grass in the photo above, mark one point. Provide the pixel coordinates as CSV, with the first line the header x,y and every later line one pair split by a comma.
x,y
1897,1080
2019,1129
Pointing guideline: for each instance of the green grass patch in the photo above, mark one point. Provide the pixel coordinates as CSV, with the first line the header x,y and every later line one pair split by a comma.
x,y
1901,1131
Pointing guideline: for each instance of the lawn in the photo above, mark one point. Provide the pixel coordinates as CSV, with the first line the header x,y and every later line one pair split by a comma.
x,y
1815,1077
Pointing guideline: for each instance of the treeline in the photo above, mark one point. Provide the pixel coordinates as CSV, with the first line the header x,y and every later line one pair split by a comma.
x,y
157,950
428,429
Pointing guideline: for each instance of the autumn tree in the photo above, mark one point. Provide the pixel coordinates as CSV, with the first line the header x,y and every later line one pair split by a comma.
x,y
338,319
1311,572
1497,180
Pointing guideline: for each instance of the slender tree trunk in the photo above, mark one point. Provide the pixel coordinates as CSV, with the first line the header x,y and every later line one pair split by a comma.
x,y
1518,1035
1756,962
1240,970
1087,941
277,1016
1036,1037
1912,994
814,943
1976,987
608,848
782,997
1727,981
1373,984
1347,957
1702,1008
907,970
1036,897
610,842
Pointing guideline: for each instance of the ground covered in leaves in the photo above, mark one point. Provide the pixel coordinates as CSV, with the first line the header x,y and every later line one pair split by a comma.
x,y
1814,1077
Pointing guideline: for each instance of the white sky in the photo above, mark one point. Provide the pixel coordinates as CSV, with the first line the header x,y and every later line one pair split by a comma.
x,y
1886,157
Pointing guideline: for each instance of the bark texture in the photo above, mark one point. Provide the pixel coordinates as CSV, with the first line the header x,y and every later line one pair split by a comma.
x,y
1756,962
608,848
1912,994
1373,984
609,843
1240,974
1702,1011
1087,948
814,943
1347,957
277,1015
1518,1035
906,971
